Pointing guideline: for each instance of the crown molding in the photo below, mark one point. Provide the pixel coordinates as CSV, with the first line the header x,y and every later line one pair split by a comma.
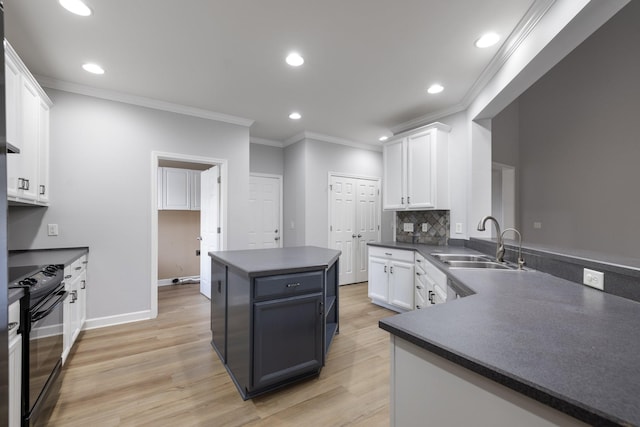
x,y
264,141
330,139
528,22
142,101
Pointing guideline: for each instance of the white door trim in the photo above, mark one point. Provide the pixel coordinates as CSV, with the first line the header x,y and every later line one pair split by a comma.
x,y
156,156
281,219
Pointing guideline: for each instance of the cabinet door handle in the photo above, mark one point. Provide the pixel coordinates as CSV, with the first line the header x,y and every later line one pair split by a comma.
x,y
391,269
388,253
417,273
385,268
359,236
85,262
353,236
431,297
408,200
402,200
418,260
293,285
68,276
320,307
11,326
84,284
42,189
418,287
276,238
74,295
78,268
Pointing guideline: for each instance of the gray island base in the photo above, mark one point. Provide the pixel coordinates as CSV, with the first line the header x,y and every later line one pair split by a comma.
x,y
274,313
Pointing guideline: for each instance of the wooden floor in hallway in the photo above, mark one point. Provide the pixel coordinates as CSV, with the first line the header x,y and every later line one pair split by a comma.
x,y
163,372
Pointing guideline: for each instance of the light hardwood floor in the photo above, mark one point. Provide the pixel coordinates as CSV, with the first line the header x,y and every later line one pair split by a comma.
x,y
163,372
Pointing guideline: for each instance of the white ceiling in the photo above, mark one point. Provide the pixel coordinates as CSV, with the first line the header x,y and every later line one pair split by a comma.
x,y
367,62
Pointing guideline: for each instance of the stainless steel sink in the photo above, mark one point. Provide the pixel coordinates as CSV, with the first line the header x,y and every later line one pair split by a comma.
x,y
461,257
479,264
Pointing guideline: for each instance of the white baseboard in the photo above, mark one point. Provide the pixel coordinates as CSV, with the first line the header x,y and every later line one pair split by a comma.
x,y
168,282
118,319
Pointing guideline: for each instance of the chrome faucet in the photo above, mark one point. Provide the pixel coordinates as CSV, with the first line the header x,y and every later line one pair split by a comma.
x,y
520,259
499,244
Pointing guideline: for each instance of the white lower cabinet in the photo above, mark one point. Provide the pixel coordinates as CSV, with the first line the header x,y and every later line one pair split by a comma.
x,y
430,284
391,273
75,309
15,365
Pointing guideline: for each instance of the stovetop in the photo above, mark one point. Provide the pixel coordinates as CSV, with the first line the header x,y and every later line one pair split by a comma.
x,y
37,280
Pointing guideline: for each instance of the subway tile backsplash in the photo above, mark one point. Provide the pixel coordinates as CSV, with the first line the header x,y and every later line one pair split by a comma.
x,y
438,227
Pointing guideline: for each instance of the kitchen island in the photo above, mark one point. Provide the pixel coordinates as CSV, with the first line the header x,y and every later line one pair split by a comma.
x,y
274,313
524,348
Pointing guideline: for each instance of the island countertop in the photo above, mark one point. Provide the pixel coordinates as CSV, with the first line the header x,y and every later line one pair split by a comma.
x,y
566,345
267,262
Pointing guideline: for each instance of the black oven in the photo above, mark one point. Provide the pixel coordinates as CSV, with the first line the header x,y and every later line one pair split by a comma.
x,y
41,325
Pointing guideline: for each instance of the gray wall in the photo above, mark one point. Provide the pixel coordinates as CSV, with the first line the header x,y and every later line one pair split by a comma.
x,y
324,158
266,159
579,145
294,194
306,172
101,190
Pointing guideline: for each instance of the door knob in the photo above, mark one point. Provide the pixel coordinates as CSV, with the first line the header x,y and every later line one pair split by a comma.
x,y
276,238
198,238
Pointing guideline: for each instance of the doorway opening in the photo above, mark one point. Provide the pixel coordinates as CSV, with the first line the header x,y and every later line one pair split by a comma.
x,y
503,195
212,200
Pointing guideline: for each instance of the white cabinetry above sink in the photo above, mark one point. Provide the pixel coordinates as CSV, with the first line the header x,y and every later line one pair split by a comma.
x,y
416,169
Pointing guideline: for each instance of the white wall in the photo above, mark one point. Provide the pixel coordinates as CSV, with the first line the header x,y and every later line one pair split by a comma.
x,y
266,159
100,190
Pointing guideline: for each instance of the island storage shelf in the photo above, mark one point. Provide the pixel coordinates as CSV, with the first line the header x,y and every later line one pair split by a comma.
x,y
274,313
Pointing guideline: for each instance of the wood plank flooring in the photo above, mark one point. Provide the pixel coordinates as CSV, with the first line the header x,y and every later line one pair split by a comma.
x,y
163,372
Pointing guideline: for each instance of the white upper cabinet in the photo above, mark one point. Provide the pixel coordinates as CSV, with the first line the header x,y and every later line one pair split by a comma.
x,y
178,189
416,169
27,114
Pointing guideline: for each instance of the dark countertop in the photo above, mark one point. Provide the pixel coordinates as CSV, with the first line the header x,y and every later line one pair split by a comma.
x,y
63,256
566,345
266,262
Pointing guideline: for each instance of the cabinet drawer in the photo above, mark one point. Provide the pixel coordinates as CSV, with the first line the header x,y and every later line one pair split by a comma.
x,y
14,319
398,254
288,284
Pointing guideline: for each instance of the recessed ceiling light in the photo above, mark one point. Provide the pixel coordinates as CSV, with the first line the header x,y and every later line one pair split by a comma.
x,y
487,40
295,116
294,59
75,6
383,138
435,88
93,68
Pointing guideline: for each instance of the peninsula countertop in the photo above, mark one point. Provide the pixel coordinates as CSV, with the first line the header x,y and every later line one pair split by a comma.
x,y
266,262
564,344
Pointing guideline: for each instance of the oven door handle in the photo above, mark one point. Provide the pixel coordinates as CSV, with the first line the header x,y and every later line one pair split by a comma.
x,y
42,314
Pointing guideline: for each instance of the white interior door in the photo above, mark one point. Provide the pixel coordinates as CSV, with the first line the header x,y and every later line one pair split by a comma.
x,y
209,223
265,211
354,210
343,236
367,223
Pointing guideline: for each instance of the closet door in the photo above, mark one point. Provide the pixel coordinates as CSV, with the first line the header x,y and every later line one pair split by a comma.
x,y
354,209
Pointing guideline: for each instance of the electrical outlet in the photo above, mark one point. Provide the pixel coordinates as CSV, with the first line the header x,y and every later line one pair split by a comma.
x,y
408,227
593,278
537,225
52,229
425,227
458,228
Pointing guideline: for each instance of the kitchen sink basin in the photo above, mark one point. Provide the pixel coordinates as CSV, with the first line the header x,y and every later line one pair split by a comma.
x,y
461,257
479,264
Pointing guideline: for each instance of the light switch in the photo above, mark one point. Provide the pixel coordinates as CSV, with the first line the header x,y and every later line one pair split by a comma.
x,y
408,227
52,229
